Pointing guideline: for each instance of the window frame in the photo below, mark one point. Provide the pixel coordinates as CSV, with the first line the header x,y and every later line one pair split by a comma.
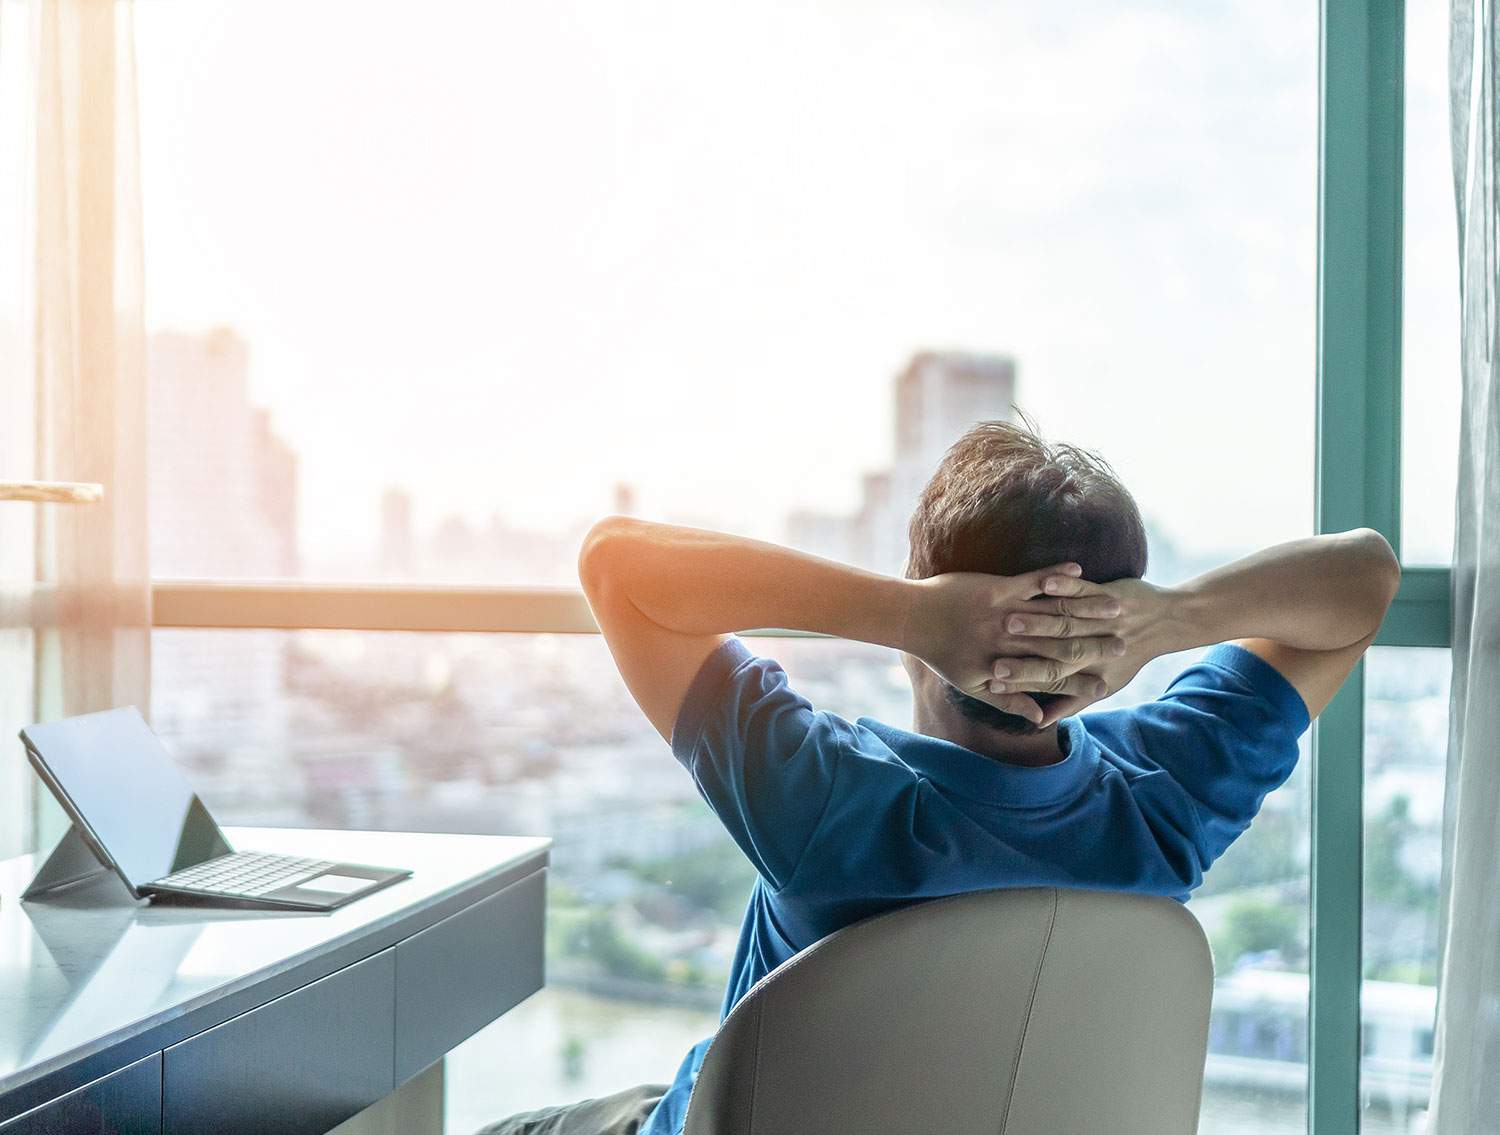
x,y
1361,122
1357,483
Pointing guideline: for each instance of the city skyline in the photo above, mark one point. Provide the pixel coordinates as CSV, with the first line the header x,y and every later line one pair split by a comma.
x,y
238,464
217,456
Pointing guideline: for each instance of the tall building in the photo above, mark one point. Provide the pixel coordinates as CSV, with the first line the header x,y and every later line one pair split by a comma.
x,y
222,485
223,490
939,395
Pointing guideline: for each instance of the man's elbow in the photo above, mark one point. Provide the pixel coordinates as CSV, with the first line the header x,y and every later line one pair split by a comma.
x,y
603,551
1378,571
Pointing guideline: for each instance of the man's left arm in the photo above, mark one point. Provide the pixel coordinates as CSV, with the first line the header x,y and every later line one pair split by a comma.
x,y
665,597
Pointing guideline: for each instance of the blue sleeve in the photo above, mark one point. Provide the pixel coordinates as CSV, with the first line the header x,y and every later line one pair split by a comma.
x,y
760,755
1205,754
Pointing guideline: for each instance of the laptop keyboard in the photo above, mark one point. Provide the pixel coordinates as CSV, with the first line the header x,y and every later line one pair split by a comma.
x,y
245,873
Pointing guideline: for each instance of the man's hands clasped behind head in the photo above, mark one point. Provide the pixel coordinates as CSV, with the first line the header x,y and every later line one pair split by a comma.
x,y
1309,607
1141,612
1049,631
1002,639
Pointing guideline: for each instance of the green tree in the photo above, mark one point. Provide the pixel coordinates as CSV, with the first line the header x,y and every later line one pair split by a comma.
x,y
572,1056
598,938
1386,880
1400,908
716,878
1255,925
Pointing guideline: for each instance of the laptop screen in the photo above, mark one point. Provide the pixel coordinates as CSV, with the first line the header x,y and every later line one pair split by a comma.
x,y
120,779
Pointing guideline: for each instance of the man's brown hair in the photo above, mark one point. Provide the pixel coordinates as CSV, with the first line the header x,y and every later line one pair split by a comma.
x,y
1004,501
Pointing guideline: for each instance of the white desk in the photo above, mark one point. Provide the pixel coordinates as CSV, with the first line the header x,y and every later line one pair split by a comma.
x,y
127,1016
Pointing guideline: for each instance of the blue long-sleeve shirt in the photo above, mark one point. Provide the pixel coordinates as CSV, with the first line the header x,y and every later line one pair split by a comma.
x,y
844,820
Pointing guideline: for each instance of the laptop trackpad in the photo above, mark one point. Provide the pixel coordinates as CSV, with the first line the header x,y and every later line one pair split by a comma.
x,y
338,885
335,884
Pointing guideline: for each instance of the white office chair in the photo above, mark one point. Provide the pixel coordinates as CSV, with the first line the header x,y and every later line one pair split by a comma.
x,y
1018,1012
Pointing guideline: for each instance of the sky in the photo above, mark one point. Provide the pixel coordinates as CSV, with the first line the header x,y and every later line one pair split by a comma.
x,y
507,255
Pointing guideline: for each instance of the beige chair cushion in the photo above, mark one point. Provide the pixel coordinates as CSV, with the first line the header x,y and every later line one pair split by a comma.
x,y
1023,1012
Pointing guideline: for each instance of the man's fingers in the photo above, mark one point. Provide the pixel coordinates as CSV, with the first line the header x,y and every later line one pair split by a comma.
x,y
1019,704
1073,653
1103,606
1070,618
1067,583
1069,572
1044,676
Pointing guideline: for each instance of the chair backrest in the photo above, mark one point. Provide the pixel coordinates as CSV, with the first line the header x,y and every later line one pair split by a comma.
x,y
1019,1012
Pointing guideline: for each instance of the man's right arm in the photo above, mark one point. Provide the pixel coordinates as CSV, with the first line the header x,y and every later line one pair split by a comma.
x,y
1308,607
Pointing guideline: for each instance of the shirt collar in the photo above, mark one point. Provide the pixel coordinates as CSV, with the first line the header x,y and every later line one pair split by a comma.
x,y
990,781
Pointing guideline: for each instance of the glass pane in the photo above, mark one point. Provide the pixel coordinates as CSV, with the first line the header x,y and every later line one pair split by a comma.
x,y
1406,744
536,734
1429,344
1253,904
654,257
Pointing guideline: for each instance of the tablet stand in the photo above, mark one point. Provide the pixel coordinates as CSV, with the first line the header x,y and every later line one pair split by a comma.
x,y
71,862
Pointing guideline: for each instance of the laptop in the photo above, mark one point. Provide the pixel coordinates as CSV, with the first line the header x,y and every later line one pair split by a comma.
x,y
141,819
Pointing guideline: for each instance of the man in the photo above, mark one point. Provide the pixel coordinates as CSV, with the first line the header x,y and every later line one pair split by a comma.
x,y
1023,602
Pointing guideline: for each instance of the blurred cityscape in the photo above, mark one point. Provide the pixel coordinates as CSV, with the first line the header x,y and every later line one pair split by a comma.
x,y
535,733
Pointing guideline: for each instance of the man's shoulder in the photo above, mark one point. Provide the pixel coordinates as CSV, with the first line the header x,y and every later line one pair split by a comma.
x,y
1227,699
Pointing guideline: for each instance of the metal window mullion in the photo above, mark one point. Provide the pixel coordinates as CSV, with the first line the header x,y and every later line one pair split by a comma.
x,y
1422,614
1358,480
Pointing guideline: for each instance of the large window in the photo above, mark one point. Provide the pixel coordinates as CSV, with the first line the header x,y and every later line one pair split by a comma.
x,y
754,274
522,265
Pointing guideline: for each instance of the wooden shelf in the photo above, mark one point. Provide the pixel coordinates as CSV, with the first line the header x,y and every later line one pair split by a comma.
x,y
51,492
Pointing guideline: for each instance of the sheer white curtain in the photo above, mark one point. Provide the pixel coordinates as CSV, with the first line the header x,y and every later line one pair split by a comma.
x,y
74,586
1466,1088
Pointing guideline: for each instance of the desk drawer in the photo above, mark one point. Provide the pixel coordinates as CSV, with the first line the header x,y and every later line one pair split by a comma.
x,y
454,978
127,1102
304,1062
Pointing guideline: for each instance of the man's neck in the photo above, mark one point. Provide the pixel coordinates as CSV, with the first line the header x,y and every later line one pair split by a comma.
x,y
947,724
